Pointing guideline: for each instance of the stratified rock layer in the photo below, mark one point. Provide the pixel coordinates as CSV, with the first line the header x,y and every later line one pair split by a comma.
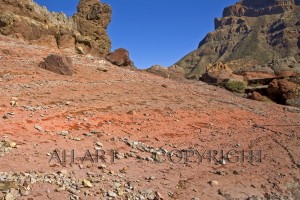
x,y
251,33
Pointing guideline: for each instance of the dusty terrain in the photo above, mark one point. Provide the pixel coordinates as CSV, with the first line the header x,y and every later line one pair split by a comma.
x,y
135,114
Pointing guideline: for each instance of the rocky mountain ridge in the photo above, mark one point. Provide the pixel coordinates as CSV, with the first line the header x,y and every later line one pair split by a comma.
x,y
250,36
255,45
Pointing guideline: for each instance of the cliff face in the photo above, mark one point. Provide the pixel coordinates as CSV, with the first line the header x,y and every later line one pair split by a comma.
x,y
256,8
85,32
250,35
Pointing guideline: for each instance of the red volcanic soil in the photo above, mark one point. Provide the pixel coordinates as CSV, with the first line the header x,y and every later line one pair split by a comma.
x,y
136,115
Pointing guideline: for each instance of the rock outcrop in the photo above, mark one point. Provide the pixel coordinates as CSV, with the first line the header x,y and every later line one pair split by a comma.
x,y
283,90
219,73
250,37
173,72
286,67
86,30
92,19
159,71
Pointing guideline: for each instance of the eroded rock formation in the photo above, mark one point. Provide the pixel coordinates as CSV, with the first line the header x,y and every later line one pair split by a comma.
x,y
219,73
92,19
86,30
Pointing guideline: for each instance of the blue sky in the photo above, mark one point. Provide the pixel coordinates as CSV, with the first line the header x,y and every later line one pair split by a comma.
x,y
155,31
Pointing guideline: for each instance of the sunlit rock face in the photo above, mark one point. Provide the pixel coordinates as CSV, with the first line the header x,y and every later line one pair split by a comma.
x,y
250,35
86,30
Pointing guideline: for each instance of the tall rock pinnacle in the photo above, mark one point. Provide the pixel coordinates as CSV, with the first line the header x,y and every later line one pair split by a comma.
x,y
92,19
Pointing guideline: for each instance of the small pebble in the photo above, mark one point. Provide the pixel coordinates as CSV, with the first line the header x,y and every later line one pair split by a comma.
x,y
87,183
111,194
214,183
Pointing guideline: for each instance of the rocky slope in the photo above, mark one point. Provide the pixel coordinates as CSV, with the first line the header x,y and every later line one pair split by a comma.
x,y
144,118
251,37
85,32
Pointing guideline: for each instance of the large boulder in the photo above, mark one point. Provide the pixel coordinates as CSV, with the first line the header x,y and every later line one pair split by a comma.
x,y
58,64
120,57
256,96
283,90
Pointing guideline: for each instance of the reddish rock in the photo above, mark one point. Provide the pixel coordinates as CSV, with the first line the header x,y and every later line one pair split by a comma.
x,y
256,96
283,90
92,19
252,75
58,64
120,57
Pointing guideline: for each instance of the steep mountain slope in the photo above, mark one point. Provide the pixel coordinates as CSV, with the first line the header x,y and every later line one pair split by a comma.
x,y
250,33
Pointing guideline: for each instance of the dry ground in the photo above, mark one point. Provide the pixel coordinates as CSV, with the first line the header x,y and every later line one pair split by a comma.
x,y
136,114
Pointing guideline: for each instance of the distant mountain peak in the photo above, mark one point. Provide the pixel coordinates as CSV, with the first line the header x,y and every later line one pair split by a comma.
x,y
250,33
